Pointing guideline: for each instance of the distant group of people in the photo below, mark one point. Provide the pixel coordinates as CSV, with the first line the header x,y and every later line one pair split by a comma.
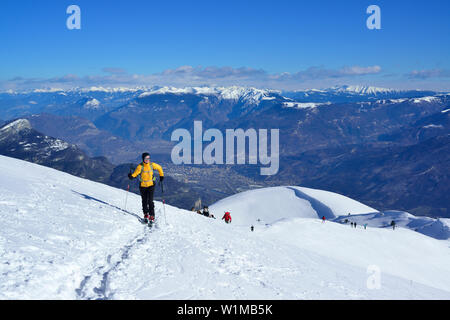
x,y
205,212
227,217
353,224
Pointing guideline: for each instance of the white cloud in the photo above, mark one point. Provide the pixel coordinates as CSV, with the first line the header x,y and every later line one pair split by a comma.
x,y
186,76
431,73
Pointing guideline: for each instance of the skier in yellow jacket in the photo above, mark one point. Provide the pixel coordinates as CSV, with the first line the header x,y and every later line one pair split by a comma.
x,y
147,185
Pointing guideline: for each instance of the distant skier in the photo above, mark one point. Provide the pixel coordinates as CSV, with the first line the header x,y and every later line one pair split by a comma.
x,y
227,217
147,186
206,212
365,226
323,219
354,224
252,228
393,224
351,223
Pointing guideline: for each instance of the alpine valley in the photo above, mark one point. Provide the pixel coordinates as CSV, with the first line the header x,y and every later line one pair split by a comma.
x,y
387,148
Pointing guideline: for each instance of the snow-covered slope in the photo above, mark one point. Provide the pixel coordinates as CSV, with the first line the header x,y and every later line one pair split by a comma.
x,y
269,205
436,228
63,237
15,126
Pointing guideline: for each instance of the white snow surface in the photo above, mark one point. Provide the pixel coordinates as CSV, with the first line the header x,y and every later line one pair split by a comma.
x,y
352,89
305,105
436,228
64,237
269,205
16,126
92,104
433,126
362,89
425,99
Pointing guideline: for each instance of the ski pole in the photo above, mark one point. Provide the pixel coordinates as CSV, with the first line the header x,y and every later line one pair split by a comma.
x,y
126,196
128,190
163,201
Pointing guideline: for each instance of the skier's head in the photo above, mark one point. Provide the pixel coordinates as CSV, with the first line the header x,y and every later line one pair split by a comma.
x,y
145,156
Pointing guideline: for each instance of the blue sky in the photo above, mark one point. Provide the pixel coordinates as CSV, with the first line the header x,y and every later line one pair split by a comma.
x,y
278,44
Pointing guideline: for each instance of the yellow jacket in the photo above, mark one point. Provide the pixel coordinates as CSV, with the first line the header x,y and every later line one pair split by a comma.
x,y
146,172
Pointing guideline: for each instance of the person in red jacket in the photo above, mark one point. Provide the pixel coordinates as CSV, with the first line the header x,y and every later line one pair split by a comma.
x,y
323,219
227,217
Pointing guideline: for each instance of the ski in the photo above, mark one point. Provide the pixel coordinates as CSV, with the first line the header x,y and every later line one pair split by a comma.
x,y
151,223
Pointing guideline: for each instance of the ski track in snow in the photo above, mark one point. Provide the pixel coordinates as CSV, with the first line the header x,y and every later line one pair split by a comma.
x,y
96,284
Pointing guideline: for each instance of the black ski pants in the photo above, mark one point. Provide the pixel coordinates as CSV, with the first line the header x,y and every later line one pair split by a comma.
x,y
148,207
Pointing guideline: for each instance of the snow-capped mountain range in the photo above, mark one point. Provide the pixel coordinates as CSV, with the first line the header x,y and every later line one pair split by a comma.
x,y
346,93
23,126
231,92
356,90
114,122
250,95
20,140
97,100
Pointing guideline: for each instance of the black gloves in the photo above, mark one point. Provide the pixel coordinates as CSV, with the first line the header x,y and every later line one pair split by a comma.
x,y
130,176
161,178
